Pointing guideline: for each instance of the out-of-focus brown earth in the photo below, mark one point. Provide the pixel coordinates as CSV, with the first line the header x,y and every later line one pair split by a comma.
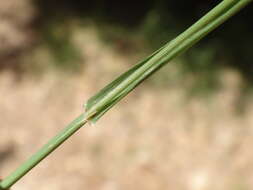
x,y
16,36
154,139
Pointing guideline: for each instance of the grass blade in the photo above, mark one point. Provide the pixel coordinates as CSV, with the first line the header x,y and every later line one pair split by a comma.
x,y
115,91
99,104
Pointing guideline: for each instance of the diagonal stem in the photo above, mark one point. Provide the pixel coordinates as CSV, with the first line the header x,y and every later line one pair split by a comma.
x,y
43,152
96,105
206,24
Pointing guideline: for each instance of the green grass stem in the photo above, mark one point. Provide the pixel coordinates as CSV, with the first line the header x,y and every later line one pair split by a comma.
x,y
43,152
97,105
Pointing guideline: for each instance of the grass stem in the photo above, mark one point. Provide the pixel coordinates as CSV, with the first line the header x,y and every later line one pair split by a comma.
x,y
97,105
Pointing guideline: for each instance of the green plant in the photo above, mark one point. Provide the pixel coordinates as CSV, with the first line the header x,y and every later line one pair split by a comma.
x,y
99,104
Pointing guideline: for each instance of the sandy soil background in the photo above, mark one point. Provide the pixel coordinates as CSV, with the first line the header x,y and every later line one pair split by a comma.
x,y
154,139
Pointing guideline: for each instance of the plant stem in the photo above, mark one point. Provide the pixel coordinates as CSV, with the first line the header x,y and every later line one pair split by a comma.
x,y
115,92
43,152
206,24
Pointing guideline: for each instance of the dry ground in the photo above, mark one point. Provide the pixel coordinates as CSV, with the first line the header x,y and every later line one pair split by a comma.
x,y
153,140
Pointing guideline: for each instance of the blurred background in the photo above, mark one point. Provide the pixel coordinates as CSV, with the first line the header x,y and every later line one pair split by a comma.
x,y
189,127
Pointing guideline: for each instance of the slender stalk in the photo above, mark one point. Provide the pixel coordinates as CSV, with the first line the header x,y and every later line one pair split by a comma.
x,y
114,92
43,152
